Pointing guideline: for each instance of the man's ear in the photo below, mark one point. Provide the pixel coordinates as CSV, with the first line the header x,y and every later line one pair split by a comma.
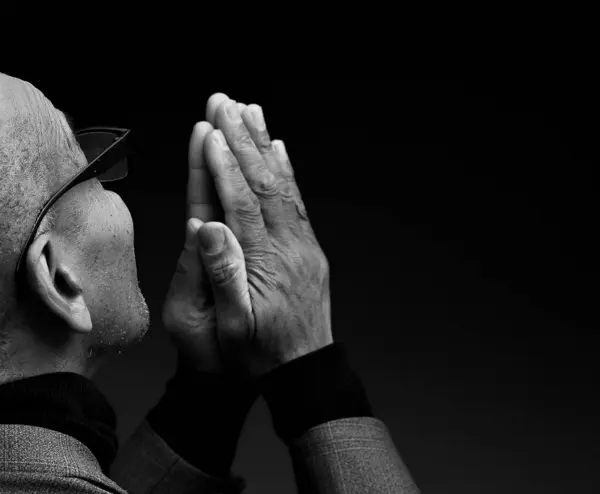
x,y
52,278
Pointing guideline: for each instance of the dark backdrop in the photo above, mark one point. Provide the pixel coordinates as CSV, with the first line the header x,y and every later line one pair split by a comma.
x,y
458,220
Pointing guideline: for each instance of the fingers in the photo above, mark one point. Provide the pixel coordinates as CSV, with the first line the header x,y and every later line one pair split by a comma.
x,y
224,261
202,200
261,181
254,120
242,208
223,257
211,106
290,193
255,123
247,140
213,103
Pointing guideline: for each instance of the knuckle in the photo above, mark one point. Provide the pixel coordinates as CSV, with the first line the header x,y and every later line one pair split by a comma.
x,y
242,137
285,191
266,185
225,270
301,209
263,140
248,206
232,167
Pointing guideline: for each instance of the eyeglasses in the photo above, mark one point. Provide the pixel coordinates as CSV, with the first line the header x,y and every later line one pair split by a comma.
x,y
106,150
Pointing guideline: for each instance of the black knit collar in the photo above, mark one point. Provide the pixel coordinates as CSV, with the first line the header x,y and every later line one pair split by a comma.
x,y
64,402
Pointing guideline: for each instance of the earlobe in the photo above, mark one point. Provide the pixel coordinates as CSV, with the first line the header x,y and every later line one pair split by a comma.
x,y
81,320
56,285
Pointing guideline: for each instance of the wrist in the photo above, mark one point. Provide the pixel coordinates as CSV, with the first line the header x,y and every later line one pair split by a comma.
x,y
300,351
314,389
201,416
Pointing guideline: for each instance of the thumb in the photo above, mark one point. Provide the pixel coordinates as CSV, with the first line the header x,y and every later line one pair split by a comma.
x,y
223,259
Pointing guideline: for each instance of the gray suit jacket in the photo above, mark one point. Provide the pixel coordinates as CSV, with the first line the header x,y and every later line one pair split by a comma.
x,y
353,455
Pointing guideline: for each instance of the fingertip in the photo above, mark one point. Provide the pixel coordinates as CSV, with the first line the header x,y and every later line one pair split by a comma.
x,y
192,227
199,133
247,116
195,224
216,99
212,104
219,115
202,128
211,143
282,157
279,147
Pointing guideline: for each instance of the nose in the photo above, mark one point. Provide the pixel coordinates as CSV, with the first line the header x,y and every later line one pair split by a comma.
x,y
116,199
119,203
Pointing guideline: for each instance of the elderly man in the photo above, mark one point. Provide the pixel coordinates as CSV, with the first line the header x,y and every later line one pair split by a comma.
x,y
248,309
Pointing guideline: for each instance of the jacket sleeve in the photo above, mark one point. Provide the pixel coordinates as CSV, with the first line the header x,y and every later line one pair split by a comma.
x,y
320,410
350,456
187,442
146,464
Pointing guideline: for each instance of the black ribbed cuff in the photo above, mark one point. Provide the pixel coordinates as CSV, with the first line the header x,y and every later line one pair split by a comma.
x,y
313,389
201,417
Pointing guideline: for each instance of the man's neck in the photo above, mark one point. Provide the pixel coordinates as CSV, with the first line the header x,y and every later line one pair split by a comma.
x,y
25,366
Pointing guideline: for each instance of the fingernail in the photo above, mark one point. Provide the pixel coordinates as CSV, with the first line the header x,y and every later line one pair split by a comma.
x,y
220,139
232,111
212,242
258,117
280,148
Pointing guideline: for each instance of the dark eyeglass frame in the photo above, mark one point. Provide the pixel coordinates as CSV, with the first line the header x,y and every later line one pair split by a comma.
x,y
114,154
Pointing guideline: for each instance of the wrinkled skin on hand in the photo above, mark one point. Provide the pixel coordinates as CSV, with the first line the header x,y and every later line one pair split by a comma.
x,y
270,282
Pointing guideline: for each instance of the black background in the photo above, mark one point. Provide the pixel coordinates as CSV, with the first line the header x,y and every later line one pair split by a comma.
x,y
482,183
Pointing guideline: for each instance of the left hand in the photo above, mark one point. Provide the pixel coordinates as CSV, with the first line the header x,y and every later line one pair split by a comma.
x,y
189,310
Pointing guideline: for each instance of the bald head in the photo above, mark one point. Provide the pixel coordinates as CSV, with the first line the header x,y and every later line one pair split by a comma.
x,y
30,123
82,268
37,152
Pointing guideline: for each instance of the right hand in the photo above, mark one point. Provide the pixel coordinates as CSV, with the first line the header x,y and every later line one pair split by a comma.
x,y
270,281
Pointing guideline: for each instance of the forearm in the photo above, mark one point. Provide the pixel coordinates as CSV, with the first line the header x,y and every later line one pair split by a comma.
x,y
319,407
312,390
321,411
201,416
